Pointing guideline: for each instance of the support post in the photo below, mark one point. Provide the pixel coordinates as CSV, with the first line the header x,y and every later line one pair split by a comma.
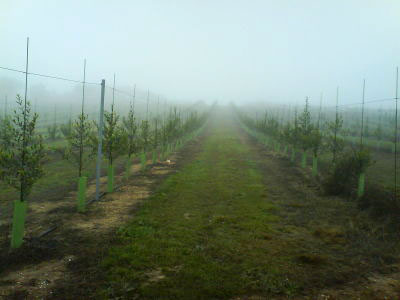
x,y
100,143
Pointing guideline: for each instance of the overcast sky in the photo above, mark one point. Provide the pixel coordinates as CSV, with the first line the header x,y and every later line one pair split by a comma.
x,y
241,50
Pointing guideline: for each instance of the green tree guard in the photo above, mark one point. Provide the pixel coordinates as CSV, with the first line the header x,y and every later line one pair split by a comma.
x,y
18,226
285,149
110,181
315,166
82,183
143,161
361,185
304,160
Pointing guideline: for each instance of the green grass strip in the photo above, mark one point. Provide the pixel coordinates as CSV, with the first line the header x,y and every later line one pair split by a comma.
x,y
205,234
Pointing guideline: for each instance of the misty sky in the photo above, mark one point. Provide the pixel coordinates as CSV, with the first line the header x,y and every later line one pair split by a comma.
x,y
211,49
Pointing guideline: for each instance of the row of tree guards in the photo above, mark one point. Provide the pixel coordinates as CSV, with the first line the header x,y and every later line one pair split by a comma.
x,y
22,149
303,135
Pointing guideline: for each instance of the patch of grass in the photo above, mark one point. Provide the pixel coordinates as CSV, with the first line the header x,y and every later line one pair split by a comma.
x,y
332,235
312,259
205,234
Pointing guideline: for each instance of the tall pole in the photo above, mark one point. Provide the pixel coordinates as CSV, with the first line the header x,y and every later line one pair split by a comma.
x,y
320,110
147,109
362,116
395,135
5,108
55,115
22,187
100,143
156,137
134,96
113,94
82,120
336,124
83,85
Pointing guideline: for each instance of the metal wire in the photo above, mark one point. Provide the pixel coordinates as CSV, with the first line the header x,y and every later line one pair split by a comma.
x,y
50,76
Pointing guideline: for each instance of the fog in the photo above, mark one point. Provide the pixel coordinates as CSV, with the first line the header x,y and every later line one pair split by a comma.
x,y
242,51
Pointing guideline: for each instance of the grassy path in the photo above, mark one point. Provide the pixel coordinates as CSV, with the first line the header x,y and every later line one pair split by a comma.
x,y
235,223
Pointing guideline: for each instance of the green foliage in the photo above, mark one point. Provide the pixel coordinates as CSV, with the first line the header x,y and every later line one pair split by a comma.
x,y
114,136
145,135
286,133
79,140
156,134
315,140
173,126
305,128
131,128
6,132
21,159
344,177
66,129
52,131
381,203
334,142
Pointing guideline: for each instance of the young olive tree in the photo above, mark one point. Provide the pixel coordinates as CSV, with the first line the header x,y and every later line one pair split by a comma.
x,y
285,135
131,128
66,129
305,128
21,155
334,142
52,132
295,136
79,142
145,135
114,142
77,151
156,138
315,143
